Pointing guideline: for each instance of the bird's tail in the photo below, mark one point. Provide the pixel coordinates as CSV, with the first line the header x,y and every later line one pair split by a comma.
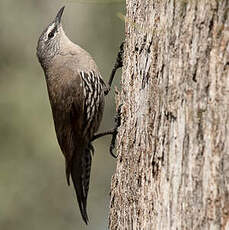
x,y
80,173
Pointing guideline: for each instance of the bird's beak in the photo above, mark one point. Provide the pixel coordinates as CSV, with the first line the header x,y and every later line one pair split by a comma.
x,y
59,15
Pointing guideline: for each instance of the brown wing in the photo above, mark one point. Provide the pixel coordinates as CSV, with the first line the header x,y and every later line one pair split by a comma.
x,y
93,89
77,103
81,163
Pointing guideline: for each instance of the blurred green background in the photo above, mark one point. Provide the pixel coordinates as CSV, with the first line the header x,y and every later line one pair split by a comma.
x,y
33,190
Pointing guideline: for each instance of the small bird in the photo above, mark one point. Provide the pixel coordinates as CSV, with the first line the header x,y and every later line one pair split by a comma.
x,y
76,93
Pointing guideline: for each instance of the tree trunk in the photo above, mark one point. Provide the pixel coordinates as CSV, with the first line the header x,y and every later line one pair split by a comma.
x,y
173,142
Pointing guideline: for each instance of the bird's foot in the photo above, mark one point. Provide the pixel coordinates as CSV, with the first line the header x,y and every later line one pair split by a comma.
x,y
112,132
118,64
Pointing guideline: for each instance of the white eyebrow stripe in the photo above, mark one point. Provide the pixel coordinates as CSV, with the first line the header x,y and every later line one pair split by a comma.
x,y
51,27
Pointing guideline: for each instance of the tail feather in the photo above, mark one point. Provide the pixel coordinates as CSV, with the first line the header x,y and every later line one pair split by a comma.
x,y
80,173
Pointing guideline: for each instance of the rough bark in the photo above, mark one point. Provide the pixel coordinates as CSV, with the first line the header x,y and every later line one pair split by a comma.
x,y
173,142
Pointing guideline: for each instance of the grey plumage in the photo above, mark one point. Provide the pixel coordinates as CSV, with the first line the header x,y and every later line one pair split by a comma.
x,y
76,94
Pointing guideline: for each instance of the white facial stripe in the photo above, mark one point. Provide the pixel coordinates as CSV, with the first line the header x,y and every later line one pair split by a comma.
x,y
51,27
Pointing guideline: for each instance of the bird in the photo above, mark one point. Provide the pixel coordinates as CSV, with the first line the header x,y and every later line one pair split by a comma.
x,y
76,92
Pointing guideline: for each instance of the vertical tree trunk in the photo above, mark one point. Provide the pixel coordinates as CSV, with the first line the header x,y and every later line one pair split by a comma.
x,y
173,142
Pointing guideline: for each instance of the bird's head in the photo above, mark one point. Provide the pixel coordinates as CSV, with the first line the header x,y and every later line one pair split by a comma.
x,y
50,40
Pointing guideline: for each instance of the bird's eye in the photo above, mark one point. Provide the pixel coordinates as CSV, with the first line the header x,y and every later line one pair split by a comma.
x,y
51,34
